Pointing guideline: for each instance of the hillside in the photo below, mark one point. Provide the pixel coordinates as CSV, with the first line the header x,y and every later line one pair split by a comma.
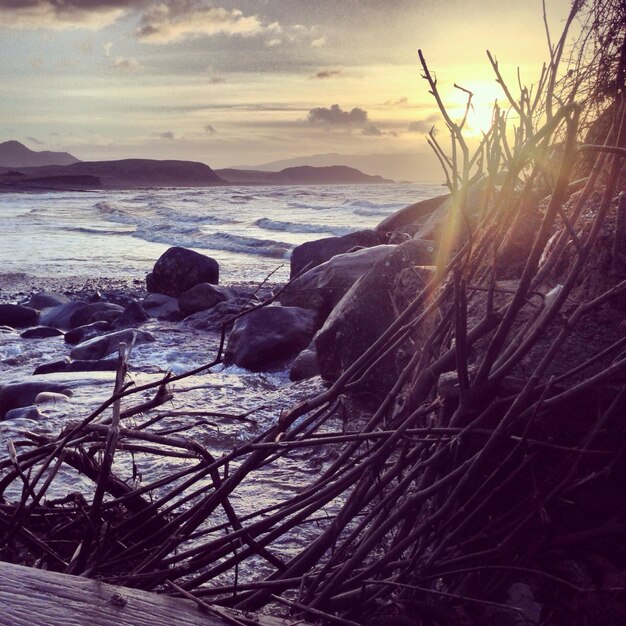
x,y
14,154
122,174
303,175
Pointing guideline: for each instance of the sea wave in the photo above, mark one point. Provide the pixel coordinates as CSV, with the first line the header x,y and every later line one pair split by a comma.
x,y
193,237
89,230
294,227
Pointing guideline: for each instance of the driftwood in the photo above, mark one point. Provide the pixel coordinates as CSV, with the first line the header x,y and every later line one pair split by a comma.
x,y
29,596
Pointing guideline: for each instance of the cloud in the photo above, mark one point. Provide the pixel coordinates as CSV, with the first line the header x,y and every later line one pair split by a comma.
x,y
34,140
422,126
108,46
372,130
328,74
209,129
275,41
335,116
319,42
168,134
60,15
162,24
126,64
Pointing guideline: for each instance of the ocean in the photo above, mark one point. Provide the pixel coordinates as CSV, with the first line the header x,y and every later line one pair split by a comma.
x,y
249,230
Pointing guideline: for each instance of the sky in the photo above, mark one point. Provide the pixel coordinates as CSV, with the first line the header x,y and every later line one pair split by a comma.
x,y
245,82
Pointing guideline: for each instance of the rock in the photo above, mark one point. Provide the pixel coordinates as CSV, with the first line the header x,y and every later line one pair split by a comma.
x,y
7,330
45,299
213,319
321,288
18,316
60,316
95,312
162,307
50,397
41,332
201,297
51,367
313,253
86,365
20,394
82,333
407,219
179,269
25,412
368,309
99,347
431,227
305,366
267,338
133,315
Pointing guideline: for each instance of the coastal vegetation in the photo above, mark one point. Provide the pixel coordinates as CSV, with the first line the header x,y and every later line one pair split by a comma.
x,y
475,448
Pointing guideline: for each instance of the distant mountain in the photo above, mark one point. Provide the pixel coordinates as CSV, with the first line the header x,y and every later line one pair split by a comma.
x,y
15,154
122,174
302,175
397,166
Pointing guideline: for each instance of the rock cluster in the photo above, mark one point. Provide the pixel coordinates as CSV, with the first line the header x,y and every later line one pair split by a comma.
x,y
344,293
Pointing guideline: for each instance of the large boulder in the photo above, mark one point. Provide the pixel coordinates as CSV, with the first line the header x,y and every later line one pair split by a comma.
x,y
162,307
41,332
312,253
18,316
99,347
214,318
179,269
410,215
45,299
371,305
321,288
82,333
96,312
268,338
60,316
201,297
133,315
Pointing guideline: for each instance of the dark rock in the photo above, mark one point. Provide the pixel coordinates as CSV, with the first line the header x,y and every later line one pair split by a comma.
x,y
179,269
321,288
312,253
41,332
57,365
99,347
201,297
305,366
432,227
368,309
31,412
96,312
98,365
82,333
214,319
407,218
18,316
60,316
162,307
133,315
45,299
19,394
269,337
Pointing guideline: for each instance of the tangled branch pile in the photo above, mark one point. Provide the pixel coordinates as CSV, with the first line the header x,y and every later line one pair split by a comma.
x,y
487,485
